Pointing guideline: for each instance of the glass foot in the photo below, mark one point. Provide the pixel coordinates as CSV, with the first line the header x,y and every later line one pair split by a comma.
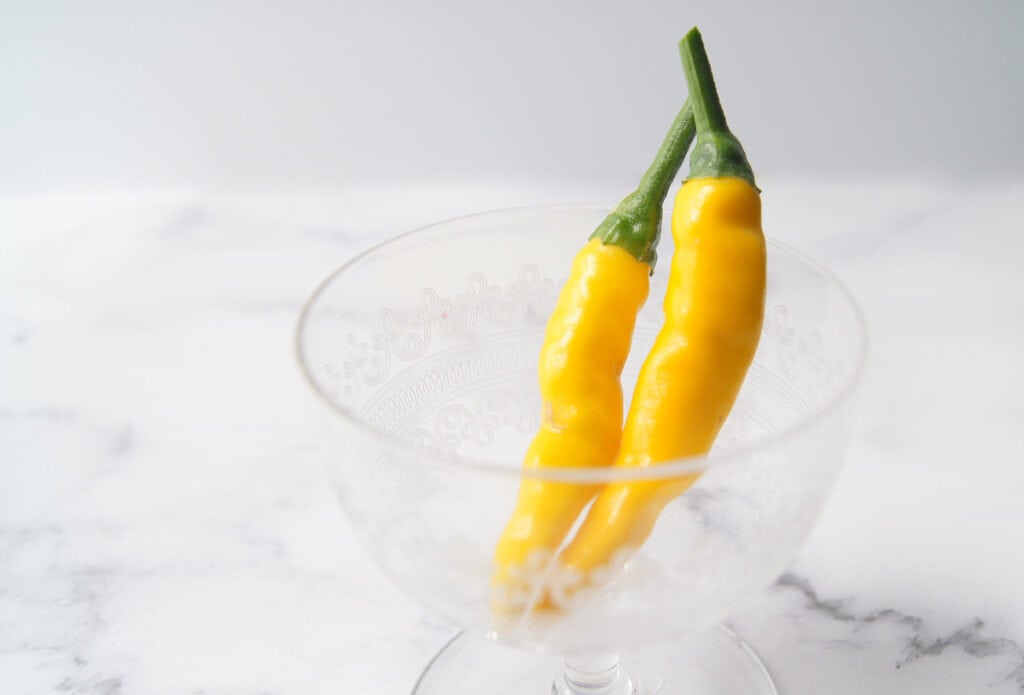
x,y
715,662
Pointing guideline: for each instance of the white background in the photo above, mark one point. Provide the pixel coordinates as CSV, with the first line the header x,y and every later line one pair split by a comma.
x,y
298,95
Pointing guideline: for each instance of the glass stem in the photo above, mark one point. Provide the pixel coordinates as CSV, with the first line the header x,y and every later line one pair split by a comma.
x,y
596,674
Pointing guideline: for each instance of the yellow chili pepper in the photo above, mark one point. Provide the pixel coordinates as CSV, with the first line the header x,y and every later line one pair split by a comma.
x,y
586,343
714,310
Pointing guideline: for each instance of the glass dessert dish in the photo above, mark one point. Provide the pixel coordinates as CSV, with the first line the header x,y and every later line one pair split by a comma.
x,y
422,353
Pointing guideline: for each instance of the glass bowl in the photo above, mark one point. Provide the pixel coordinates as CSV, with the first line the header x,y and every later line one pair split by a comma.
x,y
422,353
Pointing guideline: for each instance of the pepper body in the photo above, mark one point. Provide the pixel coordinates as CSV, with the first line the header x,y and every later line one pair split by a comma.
x,y
714,310
586,343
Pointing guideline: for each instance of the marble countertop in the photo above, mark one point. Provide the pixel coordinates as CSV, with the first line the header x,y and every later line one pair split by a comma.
x,y
164,522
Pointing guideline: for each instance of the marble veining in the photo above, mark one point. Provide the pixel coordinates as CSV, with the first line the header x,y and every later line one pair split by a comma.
x,y
165,526
970,638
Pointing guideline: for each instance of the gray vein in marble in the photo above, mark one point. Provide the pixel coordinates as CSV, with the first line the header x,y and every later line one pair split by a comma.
x,y
341,236
171,317
968,638
89,590
107,686
24,534
285,306
124,441
45,414
971,641
122,434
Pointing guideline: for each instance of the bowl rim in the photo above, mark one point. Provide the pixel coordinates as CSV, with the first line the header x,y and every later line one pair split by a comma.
x,y
584,474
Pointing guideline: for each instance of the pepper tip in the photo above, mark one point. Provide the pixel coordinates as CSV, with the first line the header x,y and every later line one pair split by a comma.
x,y
692,35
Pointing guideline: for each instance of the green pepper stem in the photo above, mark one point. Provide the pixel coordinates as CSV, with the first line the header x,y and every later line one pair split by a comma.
x,y
716,153
635,224
658,178
707,107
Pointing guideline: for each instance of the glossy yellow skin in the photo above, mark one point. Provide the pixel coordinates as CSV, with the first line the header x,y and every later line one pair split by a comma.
x,y
714,310
585,346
